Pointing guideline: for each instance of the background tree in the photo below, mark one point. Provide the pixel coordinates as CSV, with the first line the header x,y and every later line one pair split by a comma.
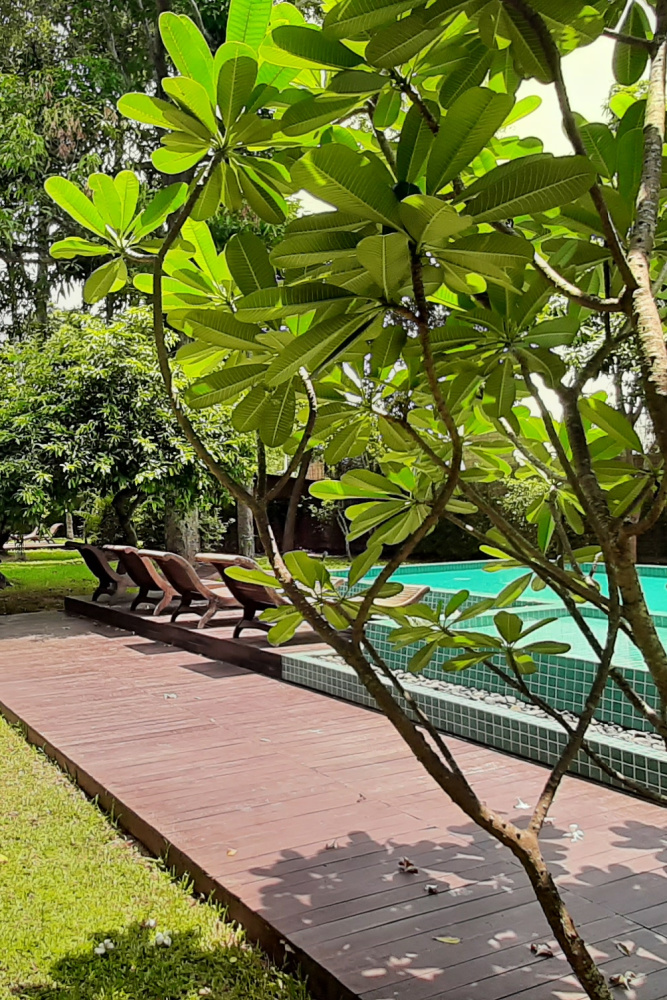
x,y
447,239
83,414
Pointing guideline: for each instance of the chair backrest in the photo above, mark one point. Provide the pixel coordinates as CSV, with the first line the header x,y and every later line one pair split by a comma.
x,y
54,529
178,572
252,594
96,562
221,560
139,570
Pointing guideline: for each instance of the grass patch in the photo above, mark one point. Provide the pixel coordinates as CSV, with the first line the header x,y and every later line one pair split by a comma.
x,y
69,880
40,586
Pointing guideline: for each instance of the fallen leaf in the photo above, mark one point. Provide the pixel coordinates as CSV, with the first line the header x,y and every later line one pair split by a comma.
x,y
619,979
231,852
448,940
431,889
331,846
405,865
541,949
626,947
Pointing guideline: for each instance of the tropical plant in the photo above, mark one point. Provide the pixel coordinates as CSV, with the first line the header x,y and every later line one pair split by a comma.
x,y
443,239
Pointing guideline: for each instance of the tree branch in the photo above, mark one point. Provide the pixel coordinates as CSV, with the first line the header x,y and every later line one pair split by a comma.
x,y
640,43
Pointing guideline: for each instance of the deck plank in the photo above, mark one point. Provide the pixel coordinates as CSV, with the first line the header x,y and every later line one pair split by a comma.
x,y
295,809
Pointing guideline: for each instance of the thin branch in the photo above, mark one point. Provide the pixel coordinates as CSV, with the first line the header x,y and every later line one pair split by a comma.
x,y
640,43
380,136
640,706
647,522
576,294
415,97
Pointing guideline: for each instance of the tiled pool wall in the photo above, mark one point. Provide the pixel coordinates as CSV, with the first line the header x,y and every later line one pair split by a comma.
x,y
563,680
537,739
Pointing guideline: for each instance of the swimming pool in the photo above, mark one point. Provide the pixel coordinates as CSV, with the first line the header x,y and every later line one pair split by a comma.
x,y
448,578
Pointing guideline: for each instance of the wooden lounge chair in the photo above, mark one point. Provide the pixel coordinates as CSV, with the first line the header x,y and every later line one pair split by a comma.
x,y
46,534
412,593
111,582
143,572
190,588
252,597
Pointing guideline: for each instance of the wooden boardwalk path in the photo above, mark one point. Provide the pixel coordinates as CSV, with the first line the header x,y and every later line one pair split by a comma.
x,y
296,808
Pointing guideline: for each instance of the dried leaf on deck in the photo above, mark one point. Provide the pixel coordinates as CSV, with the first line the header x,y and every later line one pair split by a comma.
x,y
405,865
541,949
448,940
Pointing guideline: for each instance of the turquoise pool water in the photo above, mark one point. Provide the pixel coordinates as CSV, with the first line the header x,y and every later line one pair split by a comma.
x,y
473,577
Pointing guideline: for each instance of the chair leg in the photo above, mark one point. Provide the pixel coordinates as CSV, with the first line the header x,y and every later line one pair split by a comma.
x,y
183,606
141,598
163,603
98,593
208,614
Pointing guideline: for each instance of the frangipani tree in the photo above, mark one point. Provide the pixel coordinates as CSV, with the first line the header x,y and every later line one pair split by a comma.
x,y
443,241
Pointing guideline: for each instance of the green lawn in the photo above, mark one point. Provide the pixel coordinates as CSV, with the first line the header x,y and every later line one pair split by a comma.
x,y
38,586
69,880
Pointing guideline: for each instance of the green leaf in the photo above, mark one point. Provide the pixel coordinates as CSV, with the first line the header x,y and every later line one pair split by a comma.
x,y
169,162
349,442
208,202
396,44
611,421
257,576
307,570
284,629
531,184
72,199
386,349
221,328
193,97
248,21
387,109
74,246
471,122
314,46
249,263
247,415
500,390
630,164
314,112
387,260
431,221
188,49
600,144
366,516
356,81
166,201
362,563
220,386
154,111
106,200
527,48
509,626
470,72
278,417
264,202
513,591
629,61
413,146
317,347
352,18
356,484
274,303
488,251
455,602
107,278
306,249
353,182
547,647
236,79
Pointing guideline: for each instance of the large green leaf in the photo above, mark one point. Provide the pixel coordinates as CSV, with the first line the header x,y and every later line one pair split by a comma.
x,y
169,161
74,246
278,417
313,46
396,44
500,389
356,81
236,78
74,202
188,49
413,146
208,202
264,202
276,303
221,328
527,48
191,96
324,222
223,385
166,201
306,249
386,349
494,250
468,72
470,123
249,263
353,182
106,200
431,221
387,109
387,260
531,184
315,112
352,18
629,61
109,277
247,415
154,111
600,144
248,21
318,346
348,442
611,421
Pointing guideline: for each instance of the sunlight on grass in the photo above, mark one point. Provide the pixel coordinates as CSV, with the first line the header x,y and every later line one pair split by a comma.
x,y
69,880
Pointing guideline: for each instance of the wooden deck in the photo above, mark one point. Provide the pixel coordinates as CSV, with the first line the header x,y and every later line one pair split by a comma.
x,y
295,809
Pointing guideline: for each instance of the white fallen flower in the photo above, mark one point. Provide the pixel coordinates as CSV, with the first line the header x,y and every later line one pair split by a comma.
x,y
108,944
520,804
100,950
150,923
163,939
575,833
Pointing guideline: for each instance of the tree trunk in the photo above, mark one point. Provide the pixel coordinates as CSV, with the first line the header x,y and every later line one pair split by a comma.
x,y
182,532
245,530
69,524
124,504
294,500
